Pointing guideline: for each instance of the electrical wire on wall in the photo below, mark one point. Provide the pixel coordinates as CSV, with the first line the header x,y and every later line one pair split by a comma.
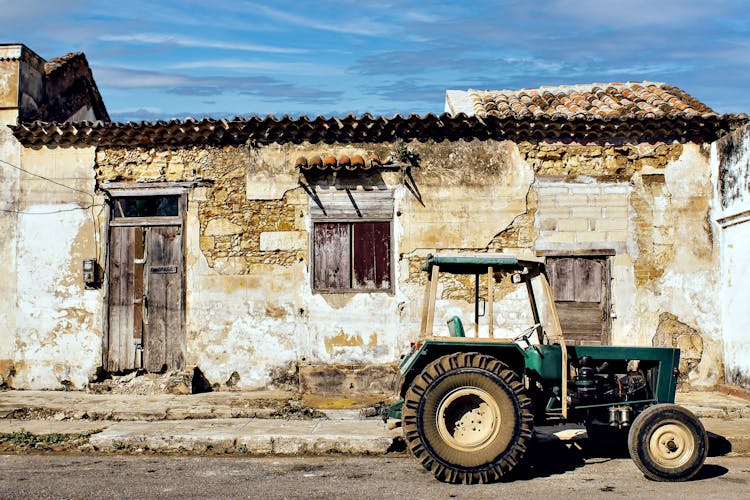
x,y
95,218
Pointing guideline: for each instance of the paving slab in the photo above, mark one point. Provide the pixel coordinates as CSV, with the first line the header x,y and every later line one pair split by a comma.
x,y
47,427
81,405
710,404
253,436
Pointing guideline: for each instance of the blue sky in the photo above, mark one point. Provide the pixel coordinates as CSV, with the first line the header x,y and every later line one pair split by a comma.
x,y
159,60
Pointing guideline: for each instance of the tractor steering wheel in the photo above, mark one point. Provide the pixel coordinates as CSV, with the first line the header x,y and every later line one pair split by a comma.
x,y
525,334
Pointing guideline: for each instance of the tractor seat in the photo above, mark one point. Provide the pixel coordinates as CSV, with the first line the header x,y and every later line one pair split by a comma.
x,y
455,327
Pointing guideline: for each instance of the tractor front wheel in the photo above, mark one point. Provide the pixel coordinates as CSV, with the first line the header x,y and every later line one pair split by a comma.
x,y
467,418
668,443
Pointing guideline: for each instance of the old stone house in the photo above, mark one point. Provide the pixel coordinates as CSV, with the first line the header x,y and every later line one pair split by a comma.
x,y
260,250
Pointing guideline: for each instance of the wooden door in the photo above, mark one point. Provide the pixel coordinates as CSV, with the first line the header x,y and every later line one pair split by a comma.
x,y
146,299
122,336
163,339
582,294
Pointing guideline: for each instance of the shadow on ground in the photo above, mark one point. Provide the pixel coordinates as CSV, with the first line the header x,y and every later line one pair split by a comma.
x,y
718,445
550,456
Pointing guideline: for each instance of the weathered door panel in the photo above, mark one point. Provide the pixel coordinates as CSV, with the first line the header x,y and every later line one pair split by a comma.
x,y
163,340
581,289
120,353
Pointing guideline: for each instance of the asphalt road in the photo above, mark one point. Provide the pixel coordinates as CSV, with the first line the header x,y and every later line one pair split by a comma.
x,y
554,475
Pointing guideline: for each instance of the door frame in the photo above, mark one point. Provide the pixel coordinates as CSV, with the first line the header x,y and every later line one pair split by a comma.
x,y
113,190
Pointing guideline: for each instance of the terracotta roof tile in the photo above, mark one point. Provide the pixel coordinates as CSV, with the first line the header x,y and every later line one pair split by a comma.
x,y
331,163
621,100
642,111
643,124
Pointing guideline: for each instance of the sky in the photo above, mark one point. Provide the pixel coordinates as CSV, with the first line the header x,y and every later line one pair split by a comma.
x,y
223,58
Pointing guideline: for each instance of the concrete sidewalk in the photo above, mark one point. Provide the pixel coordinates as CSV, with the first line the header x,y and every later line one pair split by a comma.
x,y
281,424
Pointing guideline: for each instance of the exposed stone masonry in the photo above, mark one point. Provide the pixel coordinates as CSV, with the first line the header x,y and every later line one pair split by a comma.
x,y
230,224
596,160
460,287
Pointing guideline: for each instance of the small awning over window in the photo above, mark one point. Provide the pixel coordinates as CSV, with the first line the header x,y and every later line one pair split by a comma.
x,y
331,163
352,204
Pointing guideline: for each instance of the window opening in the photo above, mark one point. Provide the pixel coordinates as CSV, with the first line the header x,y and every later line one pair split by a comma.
x,y
146,206
352,256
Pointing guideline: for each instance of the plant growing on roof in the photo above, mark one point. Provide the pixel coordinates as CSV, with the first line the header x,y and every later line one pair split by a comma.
x,y
404,153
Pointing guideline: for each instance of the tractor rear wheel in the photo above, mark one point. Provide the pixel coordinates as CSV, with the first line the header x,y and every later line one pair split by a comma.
x,y
467,418
668,443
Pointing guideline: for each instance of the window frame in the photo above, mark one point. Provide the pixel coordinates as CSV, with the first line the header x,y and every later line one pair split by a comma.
x,y
162,220
351,221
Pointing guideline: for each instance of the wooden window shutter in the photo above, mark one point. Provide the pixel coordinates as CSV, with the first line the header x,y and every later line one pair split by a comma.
x,y
372,250
332,256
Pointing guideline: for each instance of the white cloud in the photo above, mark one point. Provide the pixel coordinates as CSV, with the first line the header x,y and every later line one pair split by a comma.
x,y
646,69
299,68
421,16
182,41
636,13
355,26
111,76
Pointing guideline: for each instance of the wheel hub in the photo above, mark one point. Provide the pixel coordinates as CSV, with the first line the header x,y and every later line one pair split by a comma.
x,y
468,418
671,445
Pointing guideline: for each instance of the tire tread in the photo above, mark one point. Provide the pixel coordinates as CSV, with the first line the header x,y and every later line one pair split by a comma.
x,y
647,421
440,367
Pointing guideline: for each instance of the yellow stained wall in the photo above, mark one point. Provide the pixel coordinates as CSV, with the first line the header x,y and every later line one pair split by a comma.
x,y
250,307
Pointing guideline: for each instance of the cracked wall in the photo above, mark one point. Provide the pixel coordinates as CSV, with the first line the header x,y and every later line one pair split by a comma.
x,y
251,312
647,207
249,294
250,307
57,337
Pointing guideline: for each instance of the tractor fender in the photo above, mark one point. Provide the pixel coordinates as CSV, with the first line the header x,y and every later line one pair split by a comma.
x,y
509,353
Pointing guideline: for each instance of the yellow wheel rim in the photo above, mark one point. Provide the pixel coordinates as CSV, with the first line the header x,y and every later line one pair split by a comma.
x,y
671,445
468,419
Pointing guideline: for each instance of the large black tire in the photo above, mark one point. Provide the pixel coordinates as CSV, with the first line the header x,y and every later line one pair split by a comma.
x,y
668,443
467,418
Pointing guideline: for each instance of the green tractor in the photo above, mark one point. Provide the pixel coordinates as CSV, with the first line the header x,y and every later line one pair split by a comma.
x,y
469,404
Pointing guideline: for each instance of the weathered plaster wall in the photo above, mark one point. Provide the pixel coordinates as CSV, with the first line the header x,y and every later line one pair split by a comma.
x,y
58,334
250,306
731,162
9,158
51,326
9,84
649,204
689,286
735,320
